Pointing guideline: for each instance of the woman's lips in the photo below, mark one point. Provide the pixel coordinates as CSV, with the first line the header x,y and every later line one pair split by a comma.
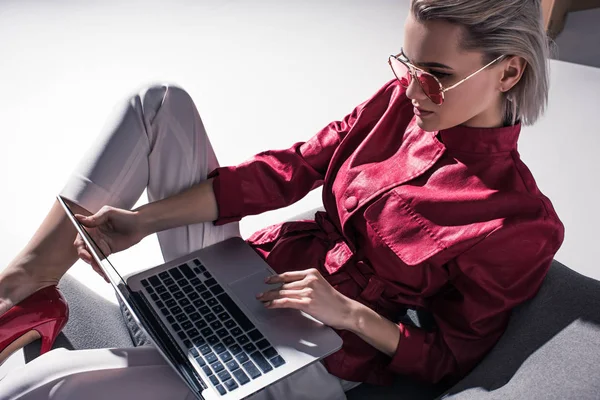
x,y
422,113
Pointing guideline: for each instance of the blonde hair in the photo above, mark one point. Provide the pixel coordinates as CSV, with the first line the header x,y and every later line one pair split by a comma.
x,y
502,27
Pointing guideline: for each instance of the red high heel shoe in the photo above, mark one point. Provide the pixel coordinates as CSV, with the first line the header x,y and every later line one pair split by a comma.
x,y
43,314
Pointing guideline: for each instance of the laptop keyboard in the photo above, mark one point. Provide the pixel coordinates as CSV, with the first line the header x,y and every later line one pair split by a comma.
x,y
228,347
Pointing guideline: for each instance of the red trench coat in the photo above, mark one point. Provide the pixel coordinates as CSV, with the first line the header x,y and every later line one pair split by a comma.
x,y
450,222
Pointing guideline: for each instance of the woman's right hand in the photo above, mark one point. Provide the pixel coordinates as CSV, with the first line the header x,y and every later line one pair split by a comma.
x,y
113,230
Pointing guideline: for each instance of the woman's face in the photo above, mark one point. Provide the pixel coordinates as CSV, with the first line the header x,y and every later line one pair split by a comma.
x,y
476,102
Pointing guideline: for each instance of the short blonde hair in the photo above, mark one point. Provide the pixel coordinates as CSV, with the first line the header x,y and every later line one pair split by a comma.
x,y
497,27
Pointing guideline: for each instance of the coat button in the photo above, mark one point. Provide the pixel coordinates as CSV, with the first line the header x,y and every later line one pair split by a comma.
x,y
350,203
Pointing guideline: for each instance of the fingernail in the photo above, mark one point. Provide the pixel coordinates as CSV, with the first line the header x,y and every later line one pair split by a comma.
x,y
267,279
259,295
267,304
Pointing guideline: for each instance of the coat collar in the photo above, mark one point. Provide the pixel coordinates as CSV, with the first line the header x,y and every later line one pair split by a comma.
x,y
480,140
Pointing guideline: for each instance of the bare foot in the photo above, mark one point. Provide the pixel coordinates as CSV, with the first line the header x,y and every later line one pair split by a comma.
x,y
16,284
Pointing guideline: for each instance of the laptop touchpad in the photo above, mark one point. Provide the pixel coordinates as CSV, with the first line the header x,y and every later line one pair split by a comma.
x,y
246,290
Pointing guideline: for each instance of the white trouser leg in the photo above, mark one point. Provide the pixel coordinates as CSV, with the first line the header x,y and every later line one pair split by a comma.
x,y
155,141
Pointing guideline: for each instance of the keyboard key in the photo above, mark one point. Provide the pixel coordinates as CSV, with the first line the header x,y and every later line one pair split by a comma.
x,y
194,296
216,290
242,357
234,348
197,262
228,340
187,271
230,324
171,319
204,349
210,317
224,375
232,365
212,302
249,348
198,302
179,295
195,316
164,311
206,331
231,385
176,310
200,361
206,295
263,344
207,370
164,275
277,361
195,282
216,324
219,348
221,389
223,316
207,274
241,377
165,296
199,341
160,289
200,324
145,283
262,363
168,281
243,339
187,325
176,327
235,311
194,352
236,331
251,369
210,358
222,332
215,381
184,302
210,282
204,310
176,274
154,297
160,304
218,309
192,332
270,352
171,303
212,340
181,317
182,282
173,288
189,309
255,335
181,335
154,281
187,289
217,366
187,344
149,289
225,356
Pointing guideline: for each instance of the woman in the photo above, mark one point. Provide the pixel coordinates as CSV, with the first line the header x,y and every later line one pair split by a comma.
x,y
427,206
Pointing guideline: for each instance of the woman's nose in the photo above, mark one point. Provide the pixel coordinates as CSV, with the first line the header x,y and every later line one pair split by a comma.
x,y
414,91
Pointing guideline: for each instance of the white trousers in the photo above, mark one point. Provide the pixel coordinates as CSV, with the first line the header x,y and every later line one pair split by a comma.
x,y
155,141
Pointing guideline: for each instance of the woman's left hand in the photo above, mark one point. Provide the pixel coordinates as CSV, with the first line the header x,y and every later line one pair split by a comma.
x,y
308,291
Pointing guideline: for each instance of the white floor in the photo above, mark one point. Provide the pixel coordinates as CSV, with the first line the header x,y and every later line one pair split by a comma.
x,y
264,74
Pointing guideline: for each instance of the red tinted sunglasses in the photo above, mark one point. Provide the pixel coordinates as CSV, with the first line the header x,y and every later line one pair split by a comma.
x,y
405,72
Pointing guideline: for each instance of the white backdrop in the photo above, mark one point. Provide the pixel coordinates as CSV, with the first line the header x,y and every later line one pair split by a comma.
x,y
264,74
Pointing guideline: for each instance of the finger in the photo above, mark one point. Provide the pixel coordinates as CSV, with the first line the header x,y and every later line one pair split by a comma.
x,y
288,276
100,272
298,304
94,220
277,294
294,285
85,256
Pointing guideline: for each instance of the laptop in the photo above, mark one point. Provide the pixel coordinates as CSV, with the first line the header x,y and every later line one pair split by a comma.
x,y
201,312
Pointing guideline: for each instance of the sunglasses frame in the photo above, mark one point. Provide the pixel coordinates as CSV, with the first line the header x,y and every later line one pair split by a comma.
x,y
412,71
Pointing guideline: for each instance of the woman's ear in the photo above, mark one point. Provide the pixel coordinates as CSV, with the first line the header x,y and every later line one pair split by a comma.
x,y
514,66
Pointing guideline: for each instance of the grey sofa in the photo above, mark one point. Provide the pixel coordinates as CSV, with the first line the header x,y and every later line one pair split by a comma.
x,y
550,350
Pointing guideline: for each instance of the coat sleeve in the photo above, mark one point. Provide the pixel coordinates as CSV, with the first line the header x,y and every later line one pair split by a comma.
x,y
278,178
500,272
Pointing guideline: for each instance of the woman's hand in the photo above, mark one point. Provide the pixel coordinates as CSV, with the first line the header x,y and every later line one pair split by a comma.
x,y
113,230
308,291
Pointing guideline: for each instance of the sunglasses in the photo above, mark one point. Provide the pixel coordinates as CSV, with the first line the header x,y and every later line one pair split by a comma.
x,y
432,87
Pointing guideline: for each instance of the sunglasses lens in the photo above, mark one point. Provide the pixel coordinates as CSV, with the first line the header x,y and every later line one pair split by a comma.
x,y
401,72
431,87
